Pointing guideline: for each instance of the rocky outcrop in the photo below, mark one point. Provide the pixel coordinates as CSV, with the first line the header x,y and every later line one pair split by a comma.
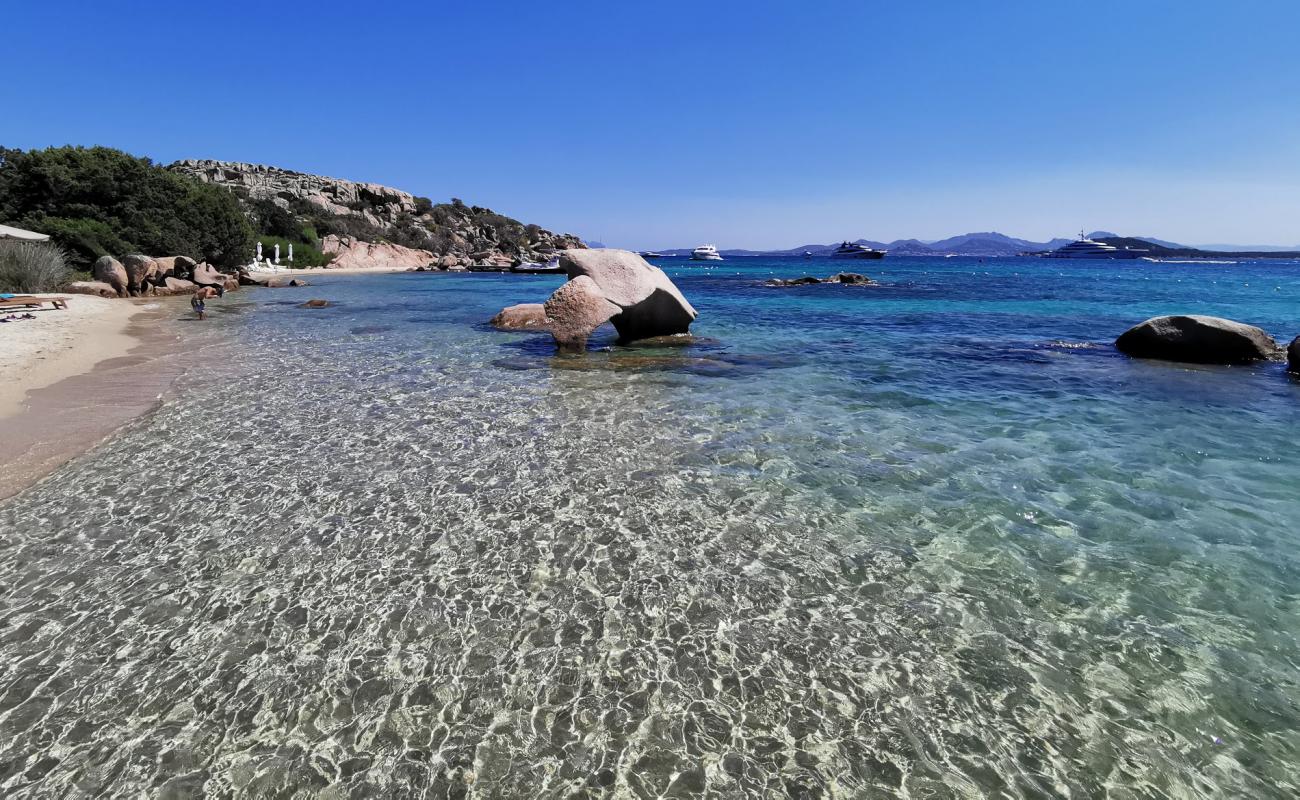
x,y
173,267
350,253
1198,340
606,286
109,270
846,278
649,304
1293,355
470,235
207,275
139,272
523,317
382,205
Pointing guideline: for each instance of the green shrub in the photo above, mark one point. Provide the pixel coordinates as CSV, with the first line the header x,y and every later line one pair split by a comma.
x,y
96,201
32,267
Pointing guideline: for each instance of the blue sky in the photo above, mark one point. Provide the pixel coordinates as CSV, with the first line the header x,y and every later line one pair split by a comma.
x,y
746,124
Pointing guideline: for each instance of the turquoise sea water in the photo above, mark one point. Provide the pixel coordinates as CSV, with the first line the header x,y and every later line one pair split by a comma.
x,y
928,539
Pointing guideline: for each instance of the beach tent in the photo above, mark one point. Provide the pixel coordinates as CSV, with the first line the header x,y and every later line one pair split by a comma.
x,y
7,232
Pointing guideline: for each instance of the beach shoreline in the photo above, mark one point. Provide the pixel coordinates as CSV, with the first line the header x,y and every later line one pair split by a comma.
x,y
70,378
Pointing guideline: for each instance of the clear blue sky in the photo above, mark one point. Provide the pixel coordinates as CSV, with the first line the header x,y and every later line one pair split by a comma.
x,y
748,124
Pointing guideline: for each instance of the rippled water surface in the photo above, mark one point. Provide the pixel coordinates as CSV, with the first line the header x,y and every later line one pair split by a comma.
x,y
931,539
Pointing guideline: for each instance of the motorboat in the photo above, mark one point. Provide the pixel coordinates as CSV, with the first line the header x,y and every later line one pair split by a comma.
x,y
1090,248
855,250
706,252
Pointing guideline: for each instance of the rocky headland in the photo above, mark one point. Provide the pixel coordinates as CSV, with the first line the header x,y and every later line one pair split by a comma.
x,y
368,225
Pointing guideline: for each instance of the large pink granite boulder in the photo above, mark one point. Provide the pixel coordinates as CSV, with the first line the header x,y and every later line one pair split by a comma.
x,y
648,302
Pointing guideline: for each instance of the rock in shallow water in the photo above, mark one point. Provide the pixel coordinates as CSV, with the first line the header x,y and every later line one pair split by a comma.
x,y
648,302
522,317
847,278
1197,339
615,286
1293,355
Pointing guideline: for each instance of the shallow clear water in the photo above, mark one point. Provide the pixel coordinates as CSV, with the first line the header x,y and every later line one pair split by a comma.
x,y
932,539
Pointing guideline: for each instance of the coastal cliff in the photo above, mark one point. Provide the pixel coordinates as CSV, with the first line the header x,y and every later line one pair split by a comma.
x,y
307,210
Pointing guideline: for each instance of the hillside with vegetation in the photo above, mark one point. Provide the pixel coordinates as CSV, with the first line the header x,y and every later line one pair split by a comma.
x,y
96,201
302,208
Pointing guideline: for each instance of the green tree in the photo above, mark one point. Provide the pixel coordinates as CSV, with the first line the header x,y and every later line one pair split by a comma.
x,y
96,200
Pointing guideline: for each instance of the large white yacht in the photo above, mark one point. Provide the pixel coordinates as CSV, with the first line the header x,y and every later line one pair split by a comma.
x,y
705,252
855,250
1090,248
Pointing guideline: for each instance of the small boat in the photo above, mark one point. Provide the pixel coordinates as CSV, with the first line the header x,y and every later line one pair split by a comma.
x,y
855,250
706,252
551,267
651,254
807,254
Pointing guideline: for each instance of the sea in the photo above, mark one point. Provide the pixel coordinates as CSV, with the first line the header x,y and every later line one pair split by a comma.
x,y
931,538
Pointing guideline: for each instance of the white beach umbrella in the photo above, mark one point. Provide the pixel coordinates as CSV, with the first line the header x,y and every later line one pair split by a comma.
x,y
7,232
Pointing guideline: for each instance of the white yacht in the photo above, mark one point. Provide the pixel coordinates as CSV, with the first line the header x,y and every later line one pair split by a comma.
x,y
1090,248
855,250
705,252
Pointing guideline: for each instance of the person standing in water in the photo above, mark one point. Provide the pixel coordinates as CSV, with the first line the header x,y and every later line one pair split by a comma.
x,y
204,292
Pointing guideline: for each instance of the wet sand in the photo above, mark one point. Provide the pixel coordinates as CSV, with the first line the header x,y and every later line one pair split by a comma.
x,y
72,380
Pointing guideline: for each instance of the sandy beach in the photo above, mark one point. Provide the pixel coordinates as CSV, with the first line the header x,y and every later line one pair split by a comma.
x,y
58,344
69,378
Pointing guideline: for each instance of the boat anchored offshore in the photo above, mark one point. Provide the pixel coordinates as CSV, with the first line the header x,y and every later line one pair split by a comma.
x,y
650,254
551,267
855,250
706,252
1090,248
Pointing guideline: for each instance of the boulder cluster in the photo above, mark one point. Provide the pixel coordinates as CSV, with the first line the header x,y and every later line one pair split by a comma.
x,y
135,275
1196,339
848,278
616,286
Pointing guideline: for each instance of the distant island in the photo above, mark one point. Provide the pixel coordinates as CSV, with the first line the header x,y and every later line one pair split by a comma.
x,y
991,244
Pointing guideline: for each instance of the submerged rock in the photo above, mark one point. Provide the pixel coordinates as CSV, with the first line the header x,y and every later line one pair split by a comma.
x,y
847,278
1197,339
522,317
316,303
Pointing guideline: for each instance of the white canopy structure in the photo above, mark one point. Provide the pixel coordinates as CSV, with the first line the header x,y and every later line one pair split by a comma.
x,y
7,232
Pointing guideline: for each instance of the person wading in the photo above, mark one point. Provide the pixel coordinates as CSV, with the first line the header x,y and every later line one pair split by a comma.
x,y
203,294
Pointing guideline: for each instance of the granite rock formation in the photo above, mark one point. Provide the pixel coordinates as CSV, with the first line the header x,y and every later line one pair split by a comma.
x,y
1198,339
456,235
605,285
350,253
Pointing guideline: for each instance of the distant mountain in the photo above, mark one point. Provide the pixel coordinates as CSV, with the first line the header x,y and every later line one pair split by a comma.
x,y
1259,248
1161,242
990,244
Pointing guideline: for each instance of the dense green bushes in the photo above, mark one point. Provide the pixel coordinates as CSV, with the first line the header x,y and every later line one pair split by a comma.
x,y
99,201
32,267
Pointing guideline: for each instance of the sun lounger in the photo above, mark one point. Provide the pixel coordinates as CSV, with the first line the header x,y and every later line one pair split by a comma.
x,y
29,301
